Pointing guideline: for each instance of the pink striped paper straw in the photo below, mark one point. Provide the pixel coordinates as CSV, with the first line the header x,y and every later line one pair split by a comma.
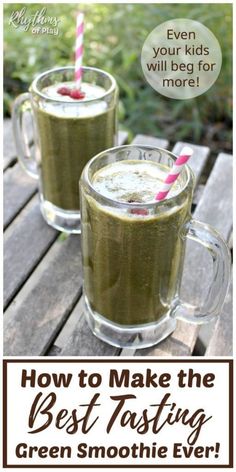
x,y
79,49
180,162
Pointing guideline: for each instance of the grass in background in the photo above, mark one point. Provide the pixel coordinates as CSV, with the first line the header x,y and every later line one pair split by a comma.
x,y
114,37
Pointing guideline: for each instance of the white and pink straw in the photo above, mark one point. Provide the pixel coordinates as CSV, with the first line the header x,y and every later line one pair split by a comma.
x,y
79,49
180,162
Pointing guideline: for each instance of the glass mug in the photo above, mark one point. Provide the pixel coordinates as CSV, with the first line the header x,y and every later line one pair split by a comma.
x,y
67,134
133,256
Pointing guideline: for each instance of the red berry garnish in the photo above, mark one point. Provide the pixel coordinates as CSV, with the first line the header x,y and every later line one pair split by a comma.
x,y
64,91
77,94
139,211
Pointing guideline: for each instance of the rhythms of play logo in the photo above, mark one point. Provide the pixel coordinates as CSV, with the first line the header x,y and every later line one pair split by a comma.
x,y
38,22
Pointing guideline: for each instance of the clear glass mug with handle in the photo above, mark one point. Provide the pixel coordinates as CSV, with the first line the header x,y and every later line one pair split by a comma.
x,y
67,133
133,249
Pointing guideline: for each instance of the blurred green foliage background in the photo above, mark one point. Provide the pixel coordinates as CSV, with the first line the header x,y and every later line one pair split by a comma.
x,y
114,36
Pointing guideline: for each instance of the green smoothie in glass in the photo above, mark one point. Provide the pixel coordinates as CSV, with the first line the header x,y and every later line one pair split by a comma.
x,y
70,128
132,258
69,137
133,247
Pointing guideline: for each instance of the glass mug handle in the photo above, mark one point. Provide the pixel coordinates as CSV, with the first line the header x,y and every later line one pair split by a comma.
x,y
218,249
22,105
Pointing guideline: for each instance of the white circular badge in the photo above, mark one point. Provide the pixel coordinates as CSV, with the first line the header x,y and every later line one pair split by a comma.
x,y
181,58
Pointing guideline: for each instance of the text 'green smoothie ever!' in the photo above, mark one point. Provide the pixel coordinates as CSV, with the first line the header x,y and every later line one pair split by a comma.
x,y
70,130
133,247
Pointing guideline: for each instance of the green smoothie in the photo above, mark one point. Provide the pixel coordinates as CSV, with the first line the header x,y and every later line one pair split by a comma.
x,y
133,257
70,134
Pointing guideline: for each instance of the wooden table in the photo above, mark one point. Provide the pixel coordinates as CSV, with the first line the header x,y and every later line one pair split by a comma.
x,y
42,268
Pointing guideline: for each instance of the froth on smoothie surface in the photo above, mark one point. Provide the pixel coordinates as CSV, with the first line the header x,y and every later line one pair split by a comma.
x,y
133,181
92,91
87,106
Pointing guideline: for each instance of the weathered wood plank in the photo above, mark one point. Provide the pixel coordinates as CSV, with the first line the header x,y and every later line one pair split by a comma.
x,y
216,204
198,194
41,308
221,343
122,137
218,214
150,141
69,327
174,345
81,341
198,159
223,198
231,242
17,191
9,150
25,243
